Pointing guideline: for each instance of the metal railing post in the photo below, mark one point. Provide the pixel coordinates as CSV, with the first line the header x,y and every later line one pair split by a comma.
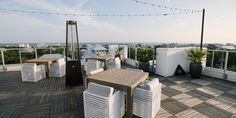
x,y
20,56
64,51
212,59
50,50
136,52
3,61
36,53
226,64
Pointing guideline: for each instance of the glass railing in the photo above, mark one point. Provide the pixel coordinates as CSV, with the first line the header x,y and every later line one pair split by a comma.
x,y
221,59
19,55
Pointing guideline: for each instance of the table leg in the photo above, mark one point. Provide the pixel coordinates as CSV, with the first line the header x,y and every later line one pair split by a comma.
x,y
129,106
105,65
49,70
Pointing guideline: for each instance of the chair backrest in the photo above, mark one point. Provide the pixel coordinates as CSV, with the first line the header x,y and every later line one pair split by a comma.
x,y
96,71
61,61
150,85
101,90
51,56
29,65
133,69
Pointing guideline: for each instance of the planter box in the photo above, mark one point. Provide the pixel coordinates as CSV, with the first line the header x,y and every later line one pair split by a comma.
x,y
169,58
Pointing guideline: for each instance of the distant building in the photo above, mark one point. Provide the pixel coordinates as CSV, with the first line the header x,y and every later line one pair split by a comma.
x,y
40,45
227,47
99,50
24,45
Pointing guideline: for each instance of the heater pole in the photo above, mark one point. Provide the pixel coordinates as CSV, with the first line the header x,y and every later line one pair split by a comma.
x,y
203,18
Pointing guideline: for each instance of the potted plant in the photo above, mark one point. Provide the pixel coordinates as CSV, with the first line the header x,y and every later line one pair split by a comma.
x,y
118,51
143,56
196,57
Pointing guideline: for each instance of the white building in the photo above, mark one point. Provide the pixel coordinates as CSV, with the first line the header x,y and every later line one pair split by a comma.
x,y
99,50
24,45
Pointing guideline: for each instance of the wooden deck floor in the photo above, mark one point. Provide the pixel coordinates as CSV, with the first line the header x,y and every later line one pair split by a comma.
x,y
182,97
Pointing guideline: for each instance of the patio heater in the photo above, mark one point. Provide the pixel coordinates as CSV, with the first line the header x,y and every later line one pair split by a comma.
x,y
74,75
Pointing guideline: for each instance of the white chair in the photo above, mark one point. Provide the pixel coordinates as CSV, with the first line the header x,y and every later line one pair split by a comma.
x,y
92,65
58,69
116,63
96,71
147,99
32,73
103,102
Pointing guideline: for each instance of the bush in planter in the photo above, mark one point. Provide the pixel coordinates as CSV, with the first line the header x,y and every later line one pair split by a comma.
x,y
143,56
196,56
118,51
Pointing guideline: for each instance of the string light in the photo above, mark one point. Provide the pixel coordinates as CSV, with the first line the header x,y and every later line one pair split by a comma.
x,y
161,6
99,15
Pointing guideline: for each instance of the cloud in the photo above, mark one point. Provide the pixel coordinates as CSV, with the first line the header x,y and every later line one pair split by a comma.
x,y
43,28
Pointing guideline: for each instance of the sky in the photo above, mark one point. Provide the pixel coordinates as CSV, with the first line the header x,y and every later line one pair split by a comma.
x,y
220,25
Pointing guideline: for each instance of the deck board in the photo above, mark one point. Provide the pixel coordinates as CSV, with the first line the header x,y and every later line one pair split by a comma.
x,y
48,98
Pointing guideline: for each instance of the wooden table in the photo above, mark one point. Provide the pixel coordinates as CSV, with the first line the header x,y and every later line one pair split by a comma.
x,y
46,61
122,79
103,58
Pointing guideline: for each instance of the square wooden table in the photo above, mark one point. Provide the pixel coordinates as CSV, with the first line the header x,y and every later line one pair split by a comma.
x,y
103,58
122,79
46,61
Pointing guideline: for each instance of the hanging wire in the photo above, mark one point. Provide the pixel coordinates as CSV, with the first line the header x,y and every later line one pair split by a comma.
x,y
161,6
100,15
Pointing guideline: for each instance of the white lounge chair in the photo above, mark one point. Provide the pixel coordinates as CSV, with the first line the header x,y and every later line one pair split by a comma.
x,y
116,63
32,73
92,65
103,102
58,69
147,99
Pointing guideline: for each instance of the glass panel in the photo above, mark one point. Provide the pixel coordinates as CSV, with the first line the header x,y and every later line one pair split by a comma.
x,y
231,66
41,52
11,57
57,51
132,53
145,54
209,58
0,58
27,55
219,59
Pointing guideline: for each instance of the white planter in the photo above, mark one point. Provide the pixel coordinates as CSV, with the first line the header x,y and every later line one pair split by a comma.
x,y
169,58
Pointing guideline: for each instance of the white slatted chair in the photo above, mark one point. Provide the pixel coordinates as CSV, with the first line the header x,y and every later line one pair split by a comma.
x,y
58,69
147,99
92,65
91,73
103,102
32,73
116,63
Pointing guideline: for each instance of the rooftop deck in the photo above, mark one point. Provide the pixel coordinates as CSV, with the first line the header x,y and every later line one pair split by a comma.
x,y
182,97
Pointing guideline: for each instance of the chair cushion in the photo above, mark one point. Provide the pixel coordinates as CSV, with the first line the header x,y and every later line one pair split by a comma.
x,y
61,61
96,71
101,90
29,64
51,56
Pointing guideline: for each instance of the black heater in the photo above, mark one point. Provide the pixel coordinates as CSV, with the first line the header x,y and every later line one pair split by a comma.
x,y
74,76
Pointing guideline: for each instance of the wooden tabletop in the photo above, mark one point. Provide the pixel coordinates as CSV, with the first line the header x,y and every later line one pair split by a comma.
x,y
122,77
101,57
41,60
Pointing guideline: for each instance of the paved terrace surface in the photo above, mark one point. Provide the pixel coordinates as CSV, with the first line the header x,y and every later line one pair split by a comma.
x,y
181,97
